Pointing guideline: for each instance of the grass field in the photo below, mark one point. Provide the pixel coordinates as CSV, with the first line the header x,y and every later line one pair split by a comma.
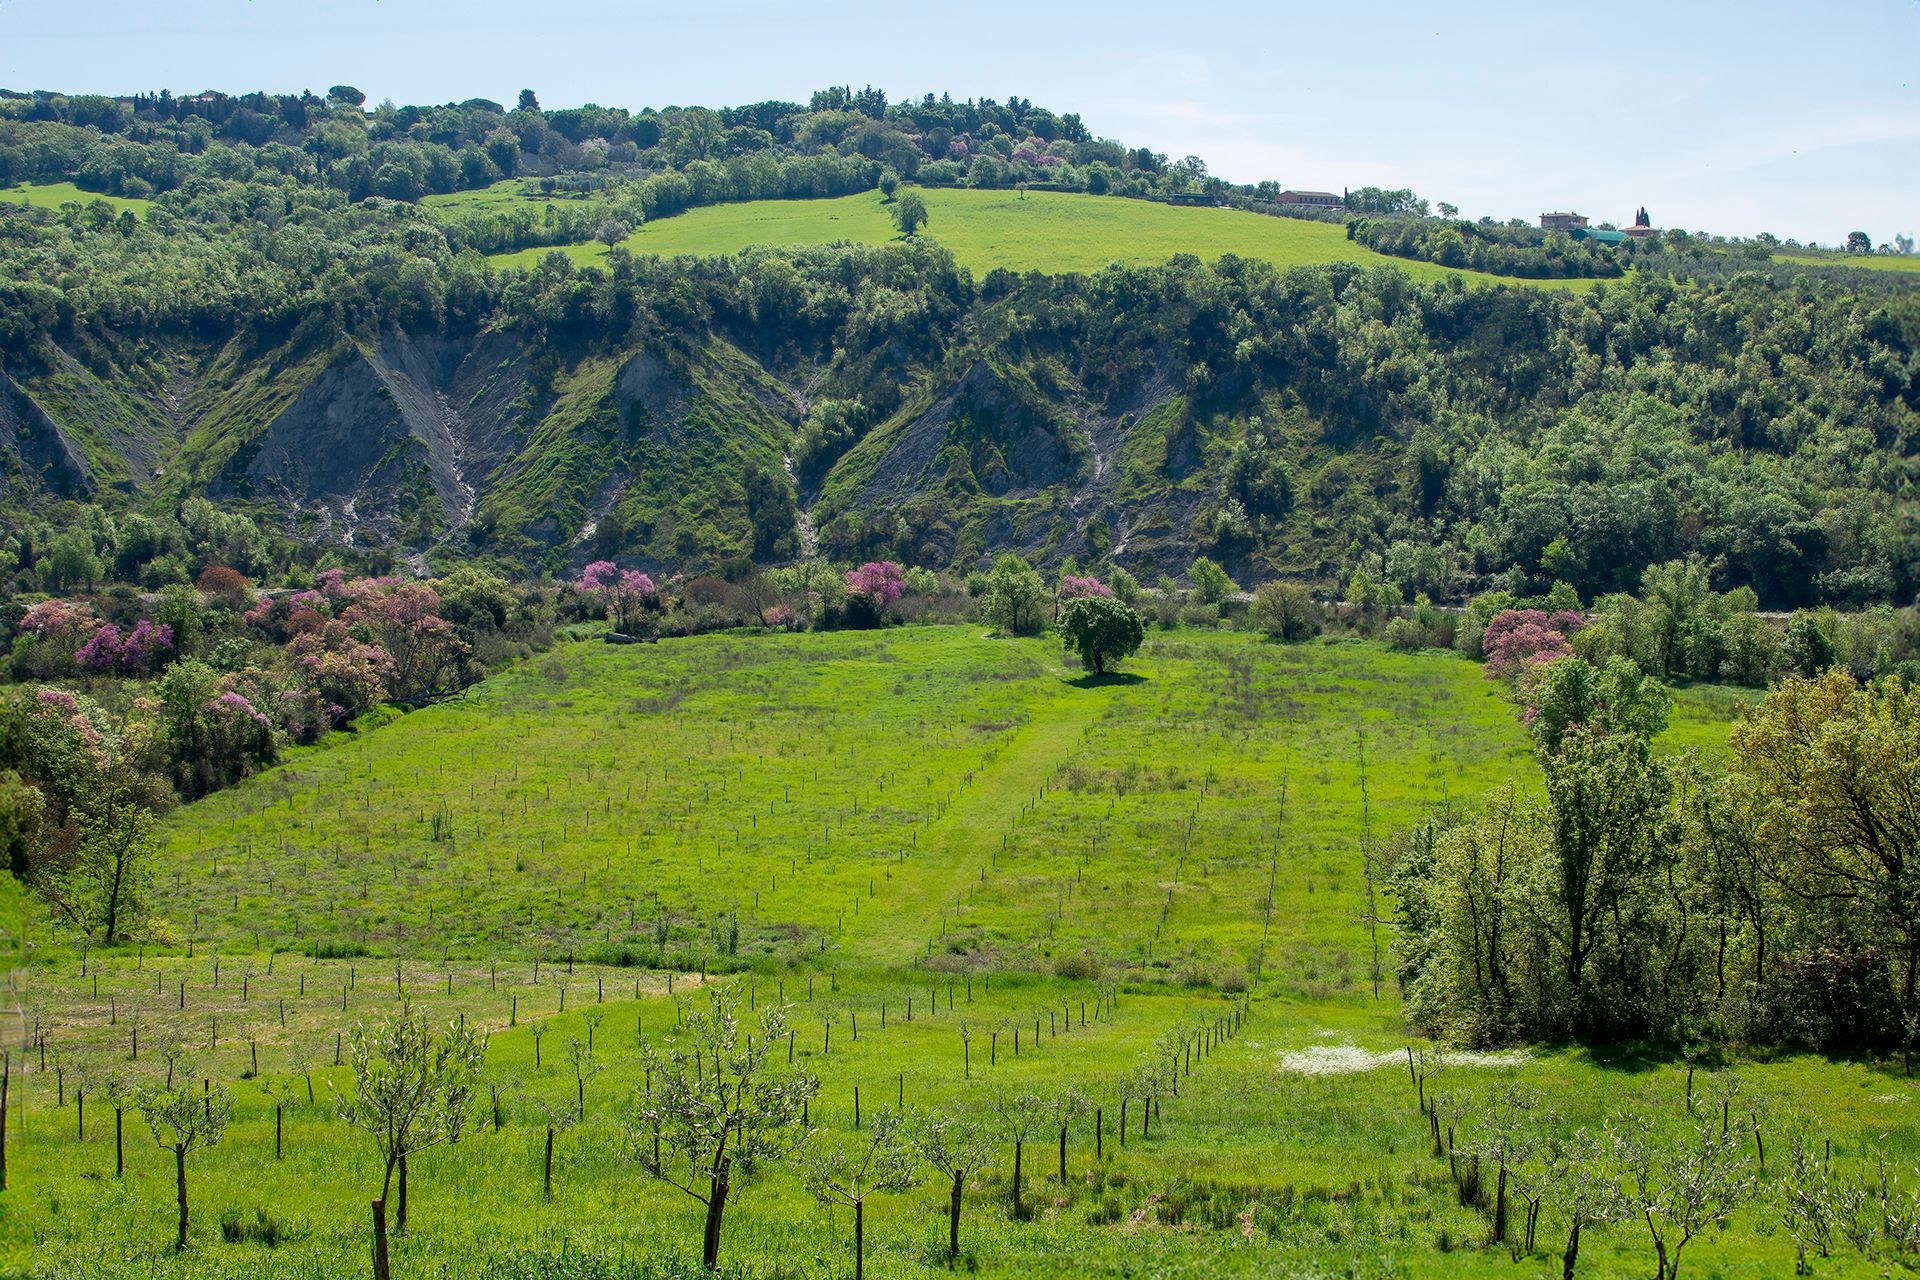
x,y
505,194
1870,261
1047,231
51,195
901,834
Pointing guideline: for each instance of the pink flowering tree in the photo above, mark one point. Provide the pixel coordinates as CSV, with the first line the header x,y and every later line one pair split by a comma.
x,y
58,629
872,590
1073,587
342,674
628,595
1517,640
427,659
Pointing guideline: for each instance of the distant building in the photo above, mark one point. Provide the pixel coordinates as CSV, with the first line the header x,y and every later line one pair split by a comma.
x,y
1312,199
1561,221
1642,226
1597,235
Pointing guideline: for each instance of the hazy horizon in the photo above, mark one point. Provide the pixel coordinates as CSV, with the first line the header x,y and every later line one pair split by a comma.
x,y
1735,124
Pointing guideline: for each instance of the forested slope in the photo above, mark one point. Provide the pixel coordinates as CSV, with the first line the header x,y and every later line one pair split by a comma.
x,y
267,329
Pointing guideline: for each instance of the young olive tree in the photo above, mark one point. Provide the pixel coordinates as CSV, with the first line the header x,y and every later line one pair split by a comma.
x,y
184,1120
722,1105
1064,1107
1583,1189
956,1146
839,1174
1021,1114
411,1089
1682,1190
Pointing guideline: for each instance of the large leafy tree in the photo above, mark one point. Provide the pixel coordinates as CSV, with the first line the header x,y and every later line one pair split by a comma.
x,y
909,212
1607,800
1834,767
1101,630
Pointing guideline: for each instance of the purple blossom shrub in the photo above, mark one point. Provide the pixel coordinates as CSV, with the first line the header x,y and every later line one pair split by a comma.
x,y
136,653
1080,588
1517,640
879,582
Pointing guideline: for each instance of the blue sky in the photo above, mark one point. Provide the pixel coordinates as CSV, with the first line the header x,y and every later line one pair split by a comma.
x,y
1801,119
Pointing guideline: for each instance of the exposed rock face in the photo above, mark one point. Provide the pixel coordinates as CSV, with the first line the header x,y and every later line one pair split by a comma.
x,y
494,441
38,455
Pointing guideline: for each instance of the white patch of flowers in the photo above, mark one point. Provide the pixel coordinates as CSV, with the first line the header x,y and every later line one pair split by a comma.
x,y
1349,1059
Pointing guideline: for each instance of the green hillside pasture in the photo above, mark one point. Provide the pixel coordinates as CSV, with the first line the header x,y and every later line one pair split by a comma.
x,y
1048,231
51,195
967,871
871,796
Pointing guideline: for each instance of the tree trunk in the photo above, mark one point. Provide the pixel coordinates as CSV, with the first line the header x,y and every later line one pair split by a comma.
x,y
380,1268
1063,1153
716,1207
119,1151
1017,1146
1572,1254
547,1178
859,1240
400,1218
180,1193
953,1220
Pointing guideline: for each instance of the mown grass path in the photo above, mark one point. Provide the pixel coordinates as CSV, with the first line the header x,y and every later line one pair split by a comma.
x,y
956,844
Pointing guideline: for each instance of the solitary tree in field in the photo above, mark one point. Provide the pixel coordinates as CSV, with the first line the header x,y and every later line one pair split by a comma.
x,y
722,1105
956,1146
184,1120
846,1175
411,1087
909,212
1286,611
1101,630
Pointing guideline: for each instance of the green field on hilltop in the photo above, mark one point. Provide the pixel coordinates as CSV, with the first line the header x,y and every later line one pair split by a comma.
x,y
51,195
1048,231
1870,261
966,869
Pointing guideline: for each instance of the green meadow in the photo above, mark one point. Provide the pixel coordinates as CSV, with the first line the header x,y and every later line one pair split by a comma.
x,y
1047,231
51,195
1870,261
965,867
